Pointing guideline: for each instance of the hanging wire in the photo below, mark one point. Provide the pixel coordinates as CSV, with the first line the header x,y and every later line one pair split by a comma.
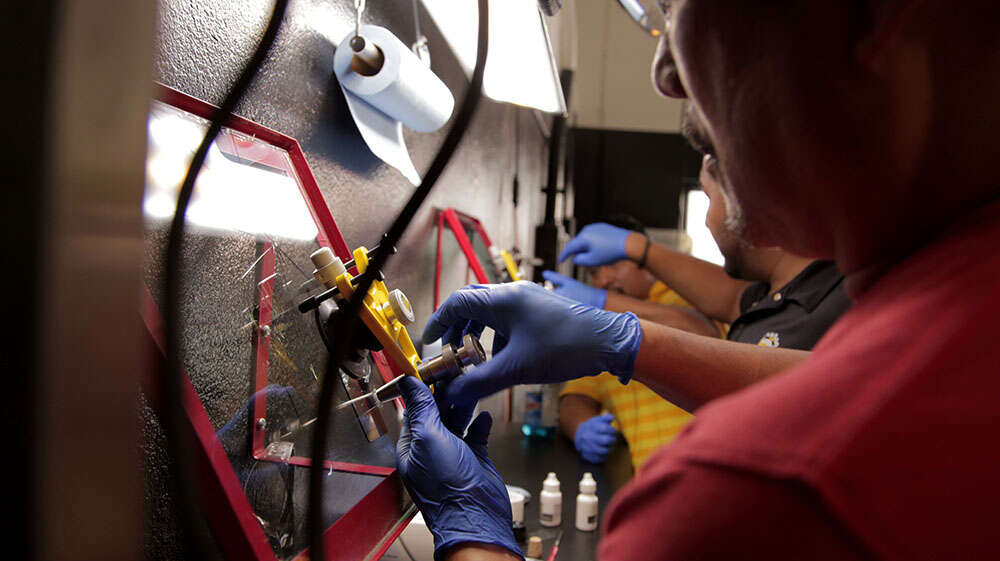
x,y
416,20
347,322
359,9
171,381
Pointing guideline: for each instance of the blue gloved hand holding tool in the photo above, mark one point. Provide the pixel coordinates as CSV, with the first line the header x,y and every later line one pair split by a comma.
x,y
452,480
595,438
576,290
597,244
540,338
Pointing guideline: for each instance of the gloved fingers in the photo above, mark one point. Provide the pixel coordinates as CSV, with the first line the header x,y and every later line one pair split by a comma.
x,y
595,457
452,334
555,278
479,434
483,380
603,424
403,443
590,259
603,429
420,406
573,247
602,440
455,417
499,342
473,328
465,304
606,418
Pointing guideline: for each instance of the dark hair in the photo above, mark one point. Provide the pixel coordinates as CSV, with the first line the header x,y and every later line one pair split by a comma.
x,y
626,221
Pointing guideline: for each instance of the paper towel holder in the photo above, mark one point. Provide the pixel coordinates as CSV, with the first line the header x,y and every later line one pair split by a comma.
x,y
368,58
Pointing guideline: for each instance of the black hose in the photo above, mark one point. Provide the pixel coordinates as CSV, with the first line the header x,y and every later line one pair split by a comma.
x,y
347,322
171,387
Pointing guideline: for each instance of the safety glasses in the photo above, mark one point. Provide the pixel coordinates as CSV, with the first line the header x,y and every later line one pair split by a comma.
x,y
651,15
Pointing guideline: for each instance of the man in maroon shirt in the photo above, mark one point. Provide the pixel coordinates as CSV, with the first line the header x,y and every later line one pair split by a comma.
x,y
858,131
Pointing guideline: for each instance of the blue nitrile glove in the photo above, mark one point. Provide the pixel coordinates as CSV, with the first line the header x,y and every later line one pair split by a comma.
x,y
597,244
595,438
576,290
452,481
540,338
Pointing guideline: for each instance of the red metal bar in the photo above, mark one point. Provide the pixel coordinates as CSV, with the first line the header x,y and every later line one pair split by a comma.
x,y
349,538
265,283
226,507
451,217
476,224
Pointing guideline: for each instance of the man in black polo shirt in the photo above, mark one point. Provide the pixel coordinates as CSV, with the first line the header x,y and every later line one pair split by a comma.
x,y
788,309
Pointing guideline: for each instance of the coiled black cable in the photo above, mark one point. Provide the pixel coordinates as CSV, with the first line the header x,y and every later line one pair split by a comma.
x,y
171,386
347,322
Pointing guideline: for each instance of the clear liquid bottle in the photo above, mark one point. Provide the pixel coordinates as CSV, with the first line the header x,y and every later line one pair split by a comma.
x,y
539,408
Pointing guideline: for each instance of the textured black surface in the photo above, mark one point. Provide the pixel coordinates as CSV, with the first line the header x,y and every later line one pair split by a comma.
x,y
200,48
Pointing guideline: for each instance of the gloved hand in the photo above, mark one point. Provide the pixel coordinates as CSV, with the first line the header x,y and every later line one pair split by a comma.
x,y
540,338
595,438
452,481
597,244
576,290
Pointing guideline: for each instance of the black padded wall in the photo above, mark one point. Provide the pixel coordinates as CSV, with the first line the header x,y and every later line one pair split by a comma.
x,y
638,173
200,49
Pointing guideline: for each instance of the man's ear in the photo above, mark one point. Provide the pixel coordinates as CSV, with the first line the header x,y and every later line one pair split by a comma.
x,y
885,22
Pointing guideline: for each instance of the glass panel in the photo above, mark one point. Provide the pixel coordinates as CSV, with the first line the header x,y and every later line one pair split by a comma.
x,y
255,361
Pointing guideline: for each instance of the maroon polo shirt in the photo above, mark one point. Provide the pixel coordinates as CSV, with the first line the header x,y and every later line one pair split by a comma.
x,y
884,444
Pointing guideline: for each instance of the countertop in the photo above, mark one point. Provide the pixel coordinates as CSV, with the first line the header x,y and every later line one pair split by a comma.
x,y
525,461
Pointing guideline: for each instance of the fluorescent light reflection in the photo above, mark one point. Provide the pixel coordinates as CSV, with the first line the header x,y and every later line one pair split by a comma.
x,y
520,68
230,195
703,245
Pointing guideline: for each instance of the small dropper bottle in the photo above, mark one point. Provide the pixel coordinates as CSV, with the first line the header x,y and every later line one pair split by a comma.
x,y
586,504
550,503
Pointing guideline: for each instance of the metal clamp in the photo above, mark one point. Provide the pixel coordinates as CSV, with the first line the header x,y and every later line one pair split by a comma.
x,y
451,361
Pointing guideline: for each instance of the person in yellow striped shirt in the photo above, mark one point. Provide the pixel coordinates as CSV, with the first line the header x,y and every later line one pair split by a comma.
x,y
646,420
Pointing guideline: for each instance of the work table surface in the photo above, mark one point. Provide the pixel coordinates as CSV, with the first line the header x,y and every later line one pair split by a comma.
x,y
524,462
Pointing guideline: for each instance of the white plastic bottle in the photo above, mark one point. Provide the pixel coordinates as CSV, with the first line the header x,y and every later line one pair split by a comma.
x,y
586,504
550,503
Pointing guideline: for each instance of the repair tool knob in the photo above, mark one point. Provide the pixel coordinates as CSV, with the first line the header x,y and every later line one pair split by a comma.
x,y
328,266
450,362
401,308
471,353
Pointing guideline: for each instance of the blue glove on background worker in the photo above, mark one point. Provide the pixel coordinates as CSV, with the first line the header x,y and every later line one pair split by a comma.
x,y
540,338
597,244
576,290
452,480
595,438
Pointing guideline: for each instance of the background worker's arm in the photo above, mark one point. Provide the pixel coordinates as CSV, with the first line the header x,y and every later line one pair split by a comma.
x,y
704,285
592,434
574,410
689,370
664,314
545,338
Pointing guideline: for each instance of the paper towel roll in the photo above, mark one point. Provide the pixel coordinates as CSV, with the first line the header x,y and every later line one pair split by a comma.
x,y
405,89
383,135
